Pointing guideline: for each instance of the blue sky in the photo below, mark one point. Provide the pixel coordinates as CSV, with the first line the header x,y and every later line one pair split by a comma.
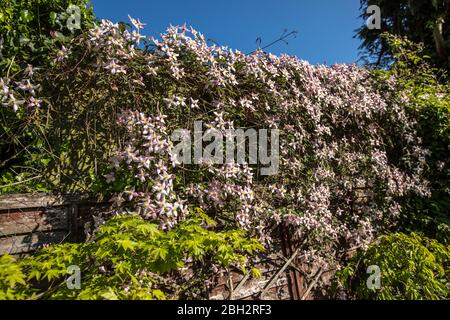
x,y
325,27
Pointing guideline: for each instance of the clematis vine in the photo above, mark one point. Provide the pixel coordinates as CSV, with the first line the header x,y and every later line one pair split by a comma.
x,y
348,150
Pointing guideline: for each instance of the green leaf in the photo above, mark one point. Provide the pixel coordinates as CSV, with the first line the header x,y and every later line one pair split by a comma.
x,y
256,273
127,244
110,295
158,294
159,253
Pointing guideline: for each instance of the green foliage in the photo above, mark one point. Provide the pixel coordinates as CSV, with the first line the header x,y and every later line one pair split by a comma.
x,y
412,267
31,32
11,277
130,258
428,102
31,29
432,215
422,21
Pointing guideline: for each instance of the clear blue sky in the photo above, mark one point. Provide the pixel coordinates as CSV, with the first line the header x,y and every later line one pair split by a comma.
x,y
326,27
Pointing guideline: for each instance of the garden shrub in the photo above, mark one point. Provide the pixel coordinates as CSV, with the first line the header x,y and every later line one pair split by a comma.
x,y
415,267
31,30
361,153
412,267
31,34
430,104
92,109
130,258
349,152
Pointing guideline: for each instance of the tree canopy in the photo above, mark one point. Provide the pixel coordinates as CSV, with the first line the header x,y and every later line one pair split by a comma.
x,y
422,21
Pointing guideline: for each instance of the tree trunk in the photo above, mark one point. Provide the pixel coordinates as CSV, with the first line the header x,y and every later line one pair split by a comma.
x,y
439,38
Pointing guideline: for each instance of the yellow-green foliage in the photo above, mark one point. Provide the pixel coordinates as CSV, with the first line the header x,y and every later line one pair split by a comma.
x,y
412,267
130,258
